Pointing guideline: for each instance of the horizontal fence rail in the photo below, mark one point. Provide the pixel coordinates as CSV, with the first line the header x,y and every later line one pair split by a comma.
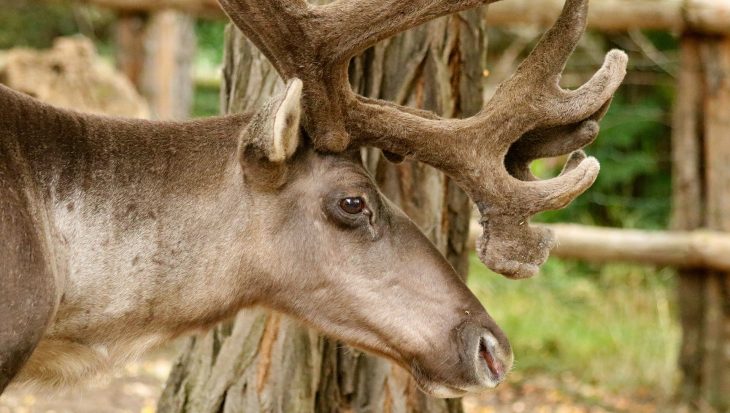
x,y
704,249
705,16
200,8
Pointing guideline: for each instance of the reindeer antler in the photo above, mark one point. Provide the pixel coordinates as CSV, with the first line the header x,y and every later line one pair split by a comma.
x,y
529,117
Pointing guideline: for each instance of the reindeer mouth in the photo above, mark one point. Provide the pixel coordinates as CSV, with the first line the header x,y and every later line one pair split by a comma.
x,y
489,367
494,366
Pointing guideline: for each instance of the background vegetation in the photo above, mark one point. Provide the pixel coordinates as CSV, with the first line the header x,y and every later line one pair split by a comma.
x,y
614,325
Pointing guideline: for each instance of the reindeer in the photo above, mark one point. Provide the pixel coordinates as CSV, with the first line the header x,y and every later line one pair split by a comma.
x,y
119,234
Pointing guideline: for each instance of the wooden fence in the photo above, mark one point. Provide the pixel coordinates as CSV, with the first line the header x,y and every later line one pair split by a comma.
x,y
706,16
681,249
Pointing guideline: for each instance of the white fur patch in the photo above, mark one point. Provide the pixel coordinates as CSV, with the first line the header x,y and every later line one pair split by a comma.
x,y
56,364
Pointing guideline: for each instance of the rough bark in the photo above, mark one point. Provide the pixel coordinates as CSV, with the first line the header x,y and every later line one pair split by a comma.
x,y
702,191
266,362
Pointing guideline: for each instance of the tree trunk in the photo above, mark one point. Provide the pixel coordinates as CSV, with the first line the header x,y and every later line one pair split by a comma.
x,y
266,362
702,199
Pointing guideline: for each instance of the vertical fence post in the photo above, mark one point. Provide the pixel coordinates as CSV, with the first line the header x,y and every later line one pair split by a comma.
x,y
156,51
129,40
701,162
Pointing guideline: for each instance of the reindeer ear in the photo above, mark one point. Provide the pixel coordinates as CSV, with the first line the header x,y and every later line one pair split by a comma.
x,y
271,138
286,123
273,133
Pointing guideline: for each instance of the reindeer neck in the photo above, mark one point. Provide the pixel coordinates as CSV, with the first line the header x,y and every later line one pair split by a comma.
x,y
71,152
147,214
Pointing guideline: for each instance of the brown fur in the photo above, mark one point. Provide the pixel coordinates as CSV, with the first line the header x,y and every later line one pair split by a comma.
x,y
120,234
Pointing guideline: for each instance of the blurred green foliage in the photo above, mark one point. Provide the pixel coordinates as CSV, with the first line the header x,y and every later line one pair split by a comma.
x,y
35,23
210,40
209,59
207,101
634,186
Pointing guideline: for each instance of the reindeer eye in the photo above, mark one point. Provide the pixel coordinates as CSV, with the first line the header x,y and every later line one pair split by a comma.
x,y
353,205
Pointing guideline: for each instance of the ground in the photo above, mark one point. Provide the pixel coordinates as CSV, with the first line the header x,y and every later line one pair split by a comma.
x,y
136,388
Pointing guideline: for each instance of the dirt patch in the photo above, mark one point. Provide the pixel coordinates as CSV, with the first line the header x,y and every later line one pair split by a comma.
x,y
565,394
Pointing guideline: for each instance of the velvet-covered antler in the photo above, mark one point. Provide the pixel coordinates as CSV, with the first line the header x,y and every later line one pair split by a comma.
x,y
529,117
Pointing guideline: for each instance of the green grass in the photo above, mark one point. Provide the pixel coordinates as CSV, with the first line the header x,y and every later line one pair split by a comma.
x,y
614,326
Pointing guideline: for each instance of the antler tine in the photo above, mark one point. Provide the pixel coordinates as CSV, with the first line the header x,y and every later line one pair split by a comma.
x,y
529,117
549,56
551,142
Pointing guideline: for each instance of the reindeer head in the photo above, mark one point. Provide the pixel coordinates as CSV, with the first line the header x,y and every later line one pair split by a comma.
x,y
383,286
335,253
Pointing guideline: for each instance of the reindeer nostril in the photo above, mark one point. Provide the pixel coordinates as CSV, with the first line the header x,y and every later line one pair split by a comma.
x,y
494,365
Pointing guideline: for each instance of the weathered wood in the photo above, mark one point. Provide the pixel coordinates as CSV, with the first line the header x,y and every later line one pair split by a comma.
x,y
282,366
701,151
705,16
708,16
715,385
686,146
611,15
201,8
682,249
699,249
716,55
129,32
156,51
687,208
167,76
